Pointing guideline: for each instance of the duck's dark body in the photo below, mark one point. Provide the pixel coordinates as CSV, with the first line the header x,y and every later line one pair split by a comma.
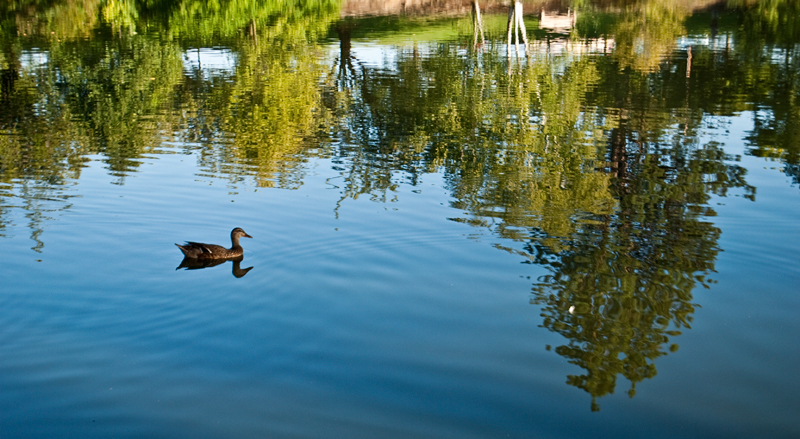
x,y
198,250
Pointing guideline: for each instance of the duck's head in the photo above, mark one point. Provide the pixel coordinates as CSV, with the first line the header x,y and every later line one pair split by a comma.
x,y
239,233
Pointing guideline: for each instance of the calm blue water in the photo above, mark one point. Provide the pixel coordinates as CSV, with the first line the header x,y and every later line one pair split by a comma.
x,y
377,319
368,316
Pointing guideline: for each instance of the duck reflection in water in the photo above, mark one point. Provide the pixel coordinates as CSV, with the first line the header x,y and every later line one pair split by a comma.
x,y
196,264
199,255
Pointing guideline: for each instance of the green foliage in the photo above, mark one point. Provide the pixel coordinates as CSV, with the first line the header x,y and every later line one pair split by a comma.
x,y
770,21
40,142
204,22
120,92
447,111
200,21
647,33
120,14
53,21
269,108
622,285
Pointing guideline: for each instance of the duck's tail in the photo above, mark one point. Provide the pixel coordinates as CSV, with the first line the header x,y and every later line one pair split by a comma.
x,y
184,249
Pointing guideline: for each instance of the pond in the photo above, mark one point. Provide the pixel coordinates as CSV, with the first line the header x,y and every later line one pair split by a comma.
x,y
588,232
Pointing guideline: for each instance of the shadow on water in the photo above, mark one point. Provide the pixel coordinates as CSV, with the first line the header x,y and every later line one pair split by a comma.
x,y
197,264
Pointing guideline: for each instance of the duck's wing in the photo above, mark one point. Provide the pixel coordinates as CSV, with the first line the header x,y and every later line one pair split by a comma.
x,y
206,248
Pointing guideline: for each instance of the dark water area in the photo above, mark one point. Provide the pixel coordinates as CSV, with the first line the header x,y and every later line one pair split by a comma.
x,y
591,233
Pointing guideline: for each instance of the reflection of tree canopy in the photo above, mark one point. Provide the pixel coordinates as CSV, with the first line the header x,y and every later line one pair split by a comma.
x,y
769,52
623,282
187,19
469,117
102,90
53,20
770,22
647,33
257,121
120,92
596,168
117,93
39,149
211,22
533,164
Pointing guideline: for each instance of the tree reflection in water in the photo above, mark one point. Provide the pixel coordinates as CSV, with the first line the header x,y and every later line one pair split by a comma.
x,y
622,284
594,163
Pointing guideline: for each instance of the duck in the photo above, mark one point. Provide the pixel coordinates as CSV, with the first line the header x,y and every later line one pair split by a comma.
x,y
198,250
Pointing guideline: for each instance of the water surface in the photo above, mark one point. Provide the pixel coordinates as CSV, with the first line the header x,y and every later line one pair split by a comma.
x,y
587,240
